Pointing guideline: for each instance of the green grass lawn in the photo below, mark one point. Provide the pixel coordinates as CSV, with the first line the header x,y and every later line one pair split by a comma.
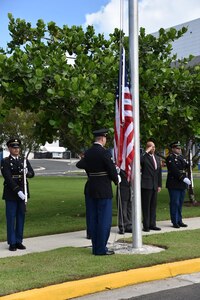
x,y
57,205
68,264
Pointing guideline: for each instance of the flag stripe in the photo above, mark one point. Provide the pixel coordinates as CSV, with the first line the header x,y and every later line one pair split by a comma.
x,y
124,125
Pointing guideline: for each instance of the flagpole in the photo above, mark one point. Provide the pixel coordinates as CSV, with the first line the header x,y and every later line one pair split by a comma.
x,y
134,69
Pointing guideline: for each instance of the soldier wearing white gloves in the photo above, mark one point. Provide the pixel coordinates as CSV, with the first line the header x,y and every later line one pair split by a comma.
x,y
177,183
14,194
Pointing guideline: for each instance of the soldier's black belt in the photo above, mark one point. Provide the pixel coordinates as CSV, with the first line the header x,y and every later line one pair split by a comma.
x,y
16,176
181,171
97,174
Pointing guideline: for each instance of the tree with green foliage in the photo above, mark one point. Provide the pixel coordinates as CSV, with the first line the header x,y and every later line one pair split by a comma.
x,y
20,124
72,100
169,95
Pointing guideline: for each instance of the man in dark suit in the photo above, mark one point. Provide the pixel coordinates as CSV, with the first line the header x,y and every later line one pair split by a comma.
x,y
101,172
151,183
177,182
12,169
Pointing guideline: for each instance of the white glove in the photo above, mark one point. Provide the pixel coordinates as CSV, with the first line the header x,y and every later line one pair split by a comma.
x,y
118,169
21,195
187,180
119,179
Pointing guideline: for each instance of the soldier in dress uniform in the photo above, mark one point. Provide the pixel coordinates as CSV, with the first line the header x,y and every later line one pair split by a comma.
x,y
12,168
177,182
101,172
82,165
124,204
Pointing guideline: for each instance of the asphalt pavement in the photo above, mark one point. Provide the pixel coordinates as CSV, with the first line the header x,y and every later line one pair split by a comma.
x,y
55,167
66,167
181,287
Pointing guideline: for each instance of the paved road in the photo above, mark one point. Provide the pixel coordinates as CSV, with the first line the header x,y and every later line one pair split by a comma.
x,y
55,167
64,167
181,293
182,287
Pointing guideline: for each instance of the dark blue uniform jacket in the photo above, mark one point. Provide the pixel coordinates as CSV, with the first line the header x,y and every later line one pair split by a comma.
x,y
12,172
101,172
176,166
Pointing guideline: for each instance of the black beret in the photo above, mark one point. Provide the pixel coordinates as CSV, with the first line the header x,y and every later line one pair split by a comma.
x,y
100,132
175,144
14,143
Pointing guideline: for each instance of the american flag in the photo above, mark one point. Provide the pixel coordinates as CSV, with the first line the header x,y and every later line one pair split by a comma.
x,y
124,126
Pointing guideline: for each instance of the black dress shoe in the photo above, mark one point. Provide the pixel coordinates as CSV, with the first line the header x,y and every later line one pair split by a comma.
x,y
88,237
181,224
121,231
176,226
146,229
12,248
155,228
20,246
128,230
110,252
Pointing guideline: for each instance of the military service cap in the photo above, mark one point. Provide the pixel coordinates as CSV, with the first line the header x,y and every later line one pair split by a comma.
x,y
100,132
175,145
14,143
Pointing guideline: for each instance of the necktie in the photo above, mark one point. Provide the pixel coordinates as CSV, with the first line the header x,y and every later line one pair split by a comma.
x,y
154,162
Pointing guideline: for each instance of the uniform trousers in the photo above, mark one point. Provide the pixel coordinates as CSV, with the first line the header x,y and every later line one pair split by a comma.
x,y
88,215
176,202
15,217
149,203
101,221
124,205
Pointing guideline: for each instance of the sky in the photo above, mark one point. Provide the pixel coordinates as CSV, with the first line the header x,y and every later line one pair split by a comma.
x,y
104,15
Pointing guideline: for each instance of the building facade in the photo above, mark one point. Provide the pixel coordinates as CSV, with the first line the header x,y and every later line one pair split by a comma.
x,y
189,43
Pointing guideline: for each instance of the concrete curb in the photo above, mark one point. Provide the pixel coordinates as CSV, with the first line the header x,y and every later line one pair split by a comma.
x,y
83,287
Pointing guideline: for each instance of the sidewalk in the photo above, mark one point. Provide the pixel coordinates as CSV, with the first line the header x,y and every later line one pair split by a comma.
x,y
96,284
78,239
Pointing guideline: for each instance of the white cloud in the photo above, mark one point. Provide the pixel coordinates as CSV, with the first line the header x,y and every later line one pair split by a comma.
x,y
107,18
153,14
